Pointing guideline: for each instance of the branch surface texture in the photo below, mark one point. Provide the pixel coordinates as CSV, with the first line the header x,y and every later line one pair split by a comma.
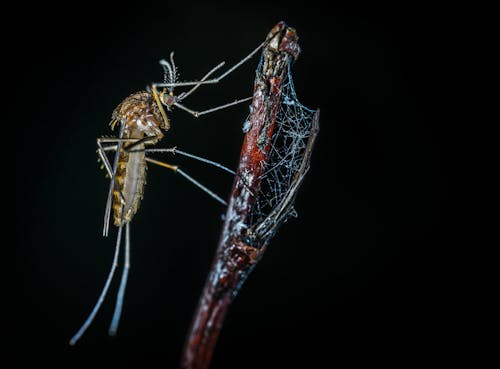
x,y
275,156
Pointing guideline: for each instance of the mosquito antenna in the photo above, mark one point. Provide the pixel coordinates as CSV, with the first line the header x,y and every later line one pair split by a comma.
x,y
167,69
123,285
169,76
99,302
174,75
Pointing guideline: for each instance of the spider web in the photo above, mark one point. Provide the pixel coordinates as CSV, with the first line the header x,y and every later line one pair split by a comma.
x,y
293,126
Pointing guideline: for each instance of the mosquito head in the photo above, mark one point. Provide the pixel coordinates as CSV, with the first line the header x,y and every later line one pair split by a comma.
x,y
167,98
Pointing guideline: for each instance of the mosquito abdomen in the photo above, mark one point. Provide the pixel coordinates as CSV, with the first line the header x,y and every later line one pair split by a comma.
x,y
142,118
130,178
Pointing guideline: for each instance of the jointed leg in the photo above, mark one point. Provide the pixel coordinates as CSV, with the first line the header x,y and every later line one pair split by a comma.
x,y
175,151
214,80
196,114
102,149
100,300
171,83
183,95
176,169
112,183
111,172
123,285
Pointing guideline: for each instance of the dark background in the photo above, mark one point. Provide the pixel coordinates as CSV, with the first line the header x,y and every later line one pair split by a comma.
x,y
369,271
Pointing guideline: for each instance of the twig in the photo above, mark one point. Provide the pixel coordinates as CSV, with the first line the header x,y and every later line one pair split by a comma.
x,y
244,236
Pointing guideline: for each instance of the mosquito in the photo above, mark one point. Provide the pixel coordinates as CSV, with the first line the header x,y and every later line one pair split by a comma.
x,y
142,119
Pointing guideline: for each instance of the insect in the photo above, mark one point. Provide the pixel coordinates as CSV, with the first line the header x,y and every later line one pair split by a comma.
x,y
142,120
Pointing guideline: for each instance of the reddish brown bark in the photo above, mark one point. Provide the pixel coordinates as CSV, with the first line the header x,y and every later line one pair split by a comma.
x,y
240,246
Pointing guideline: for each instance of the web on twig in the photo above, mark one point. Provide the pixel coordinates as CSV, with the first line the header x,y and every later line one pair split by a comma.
x,y
293,127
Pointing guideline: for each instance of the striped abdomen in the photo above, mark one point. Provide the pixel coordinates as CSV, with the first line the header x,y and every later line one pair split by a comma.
x,y
130,178
141,118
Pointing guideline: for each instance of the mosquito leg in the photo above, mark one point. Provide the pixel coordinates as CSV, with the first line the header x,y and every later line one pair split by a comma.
x,y
138,142
133,142
175,151
214,80
101,150
242,61
100,300
176,169
116,139
111,172
123,285
109,148
196,114
183,95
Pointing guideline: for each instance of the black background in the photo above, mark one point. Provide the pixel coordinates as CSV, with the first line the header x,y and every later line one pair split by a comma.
x,y
368,273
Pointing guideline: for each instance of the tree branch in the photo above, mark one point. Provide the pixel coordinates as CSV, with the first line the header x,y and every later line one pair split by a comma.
x,y
245,236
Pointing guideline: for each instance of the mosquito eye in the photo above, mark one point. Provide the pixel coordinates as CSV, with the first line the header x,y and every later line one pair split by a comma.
x,y
169,100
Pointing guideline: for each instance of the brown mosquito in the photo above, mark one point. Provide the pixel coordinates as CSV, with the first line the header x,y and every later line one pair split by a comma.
x,y
142,119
